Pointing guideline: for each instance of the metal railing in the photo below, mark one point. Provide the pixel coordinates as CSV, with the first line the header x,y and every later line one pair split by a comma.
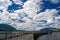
x,y
9,35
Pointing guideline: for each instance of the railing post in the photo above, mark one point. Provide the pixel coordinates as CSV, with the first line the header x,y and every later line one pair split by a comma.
x,y
5,36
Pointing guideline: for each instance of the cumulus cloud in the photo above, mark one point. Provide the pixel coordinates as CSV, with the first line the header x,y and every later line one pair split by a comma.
x,y
4,4
34,24
57,22
47,15
31,20
32,7
19,2
55,1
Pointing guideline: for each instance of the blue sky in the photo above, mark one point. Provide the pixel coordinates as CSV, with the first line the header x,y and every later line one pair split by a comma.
x,y
14,6
26,13
46,5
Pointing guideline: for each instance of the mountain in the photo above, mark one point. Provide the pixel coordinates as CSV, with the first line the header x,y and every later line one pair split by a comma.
x,y
44,30
5,27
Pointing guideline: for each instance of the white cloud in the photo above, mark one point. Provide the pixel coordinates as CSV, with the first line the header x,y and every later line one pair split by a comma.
x,y
32,7
47,15
54,1
56,23
14,16
4,4
32,26
27,14
19,2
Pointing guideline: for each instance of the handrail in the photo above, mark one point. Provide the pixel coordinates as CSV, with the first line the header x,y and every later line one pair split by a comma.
x,y
6,35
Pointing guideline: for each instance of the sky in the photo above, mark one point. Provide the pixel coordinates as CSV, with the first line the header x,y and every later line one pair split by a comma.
x,y
30,15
